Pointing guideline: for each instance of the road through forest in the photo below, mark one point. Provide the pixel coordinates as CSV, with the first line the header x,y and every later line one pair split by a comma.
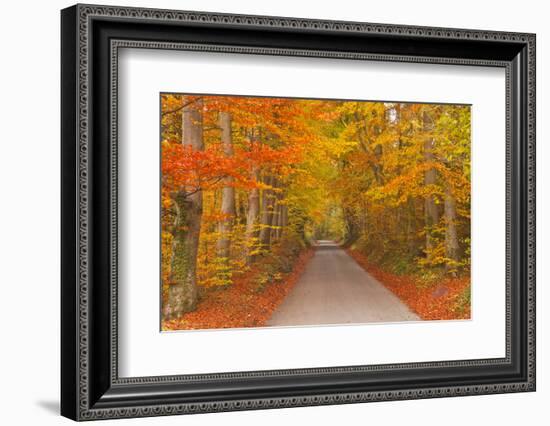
x,y
334,289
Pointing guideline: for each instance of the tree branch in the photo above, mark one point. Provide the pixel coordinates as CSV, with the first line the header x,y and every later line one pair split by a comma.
x,y
180,107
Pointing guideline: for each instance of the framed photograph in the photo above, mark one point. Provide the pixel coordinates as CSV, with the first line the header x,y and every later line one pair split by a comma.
x,y
263,212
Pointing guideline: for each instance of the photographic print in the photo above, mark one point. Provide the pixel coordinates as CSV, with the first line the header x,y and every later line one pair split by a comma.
x,y
265,183
294,212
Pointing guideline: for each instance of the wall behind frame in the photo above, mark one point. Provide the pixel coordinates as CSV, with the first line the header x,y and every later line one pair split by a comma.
x,y
29,218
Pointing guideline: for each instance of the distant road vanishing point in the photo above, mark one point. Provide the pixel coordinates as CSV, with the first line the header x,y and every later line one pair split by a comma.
x,y
334,289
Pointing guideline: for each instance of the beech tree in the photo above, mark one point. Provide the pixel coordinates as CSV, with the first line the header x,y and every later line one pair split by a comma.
x,y
430,179
228,192
247,181
182,294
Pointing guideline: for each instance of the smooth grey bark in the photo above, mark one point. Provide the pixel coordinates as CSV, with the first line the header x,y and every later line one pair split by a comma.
x,y
228,192
277,225
431,211
275,221
240,208
452,248
284,218
411,227
251,233
252,215
182,291
268,204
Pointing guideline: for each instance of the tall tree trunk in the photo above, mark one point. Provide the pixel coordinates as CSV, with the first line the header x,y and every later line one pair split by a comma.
x,y
365,145
268,202
430,178
251,233
377,165
284,218
452,248
252,216
275,220
240,208
411,227
352,228
228,191
182,293
278,215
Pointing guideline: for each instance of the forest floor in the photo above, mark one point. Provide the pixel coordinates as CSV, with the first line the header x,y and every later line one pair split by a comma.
x,y
446,299
243,304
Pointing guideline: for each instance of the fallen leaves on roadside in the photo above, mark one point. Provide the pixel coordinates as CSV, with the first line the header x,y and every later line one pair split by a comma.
x,y
438,301
241,304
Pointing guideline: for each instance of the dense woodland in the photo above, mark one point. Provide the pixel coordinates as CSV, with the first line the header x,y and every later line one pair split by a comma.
x,y
248,184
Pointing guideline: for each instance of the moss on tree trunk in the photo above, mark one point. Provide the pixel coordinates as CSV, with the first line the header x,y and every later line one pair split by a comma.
x,y
182,291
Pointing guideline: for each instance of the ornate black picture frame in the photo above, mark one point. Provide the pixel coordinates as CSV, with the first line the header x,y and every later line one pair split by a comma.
x,y
91,387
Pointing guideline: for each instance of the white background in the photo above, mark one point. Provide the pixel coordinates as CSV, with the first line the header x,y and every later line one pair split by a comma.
x,y
29,218
140,343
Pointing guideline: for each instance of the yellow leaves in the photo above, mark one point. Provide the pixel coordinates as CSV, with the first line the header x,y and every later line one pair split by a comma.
x,y
214,270
341,166
166,202
336,148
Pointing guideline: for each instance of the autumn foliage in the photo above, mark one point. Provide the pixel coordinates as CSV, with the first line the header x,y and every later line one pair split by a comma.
x,y
248,183
445,299
244,304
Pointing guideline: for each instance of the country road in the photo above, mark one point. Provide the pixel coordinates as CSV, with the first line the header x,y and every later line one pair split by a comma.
x,y
334,289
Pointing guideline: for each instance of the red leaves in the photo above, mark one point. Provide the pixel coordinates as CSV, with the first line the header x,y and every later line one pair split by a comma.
x,y
431,302
183,166
240,305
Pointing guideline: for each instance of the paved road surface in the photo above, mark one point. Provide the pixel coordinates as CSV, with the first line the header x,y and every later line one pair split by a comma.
x,y
334,289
